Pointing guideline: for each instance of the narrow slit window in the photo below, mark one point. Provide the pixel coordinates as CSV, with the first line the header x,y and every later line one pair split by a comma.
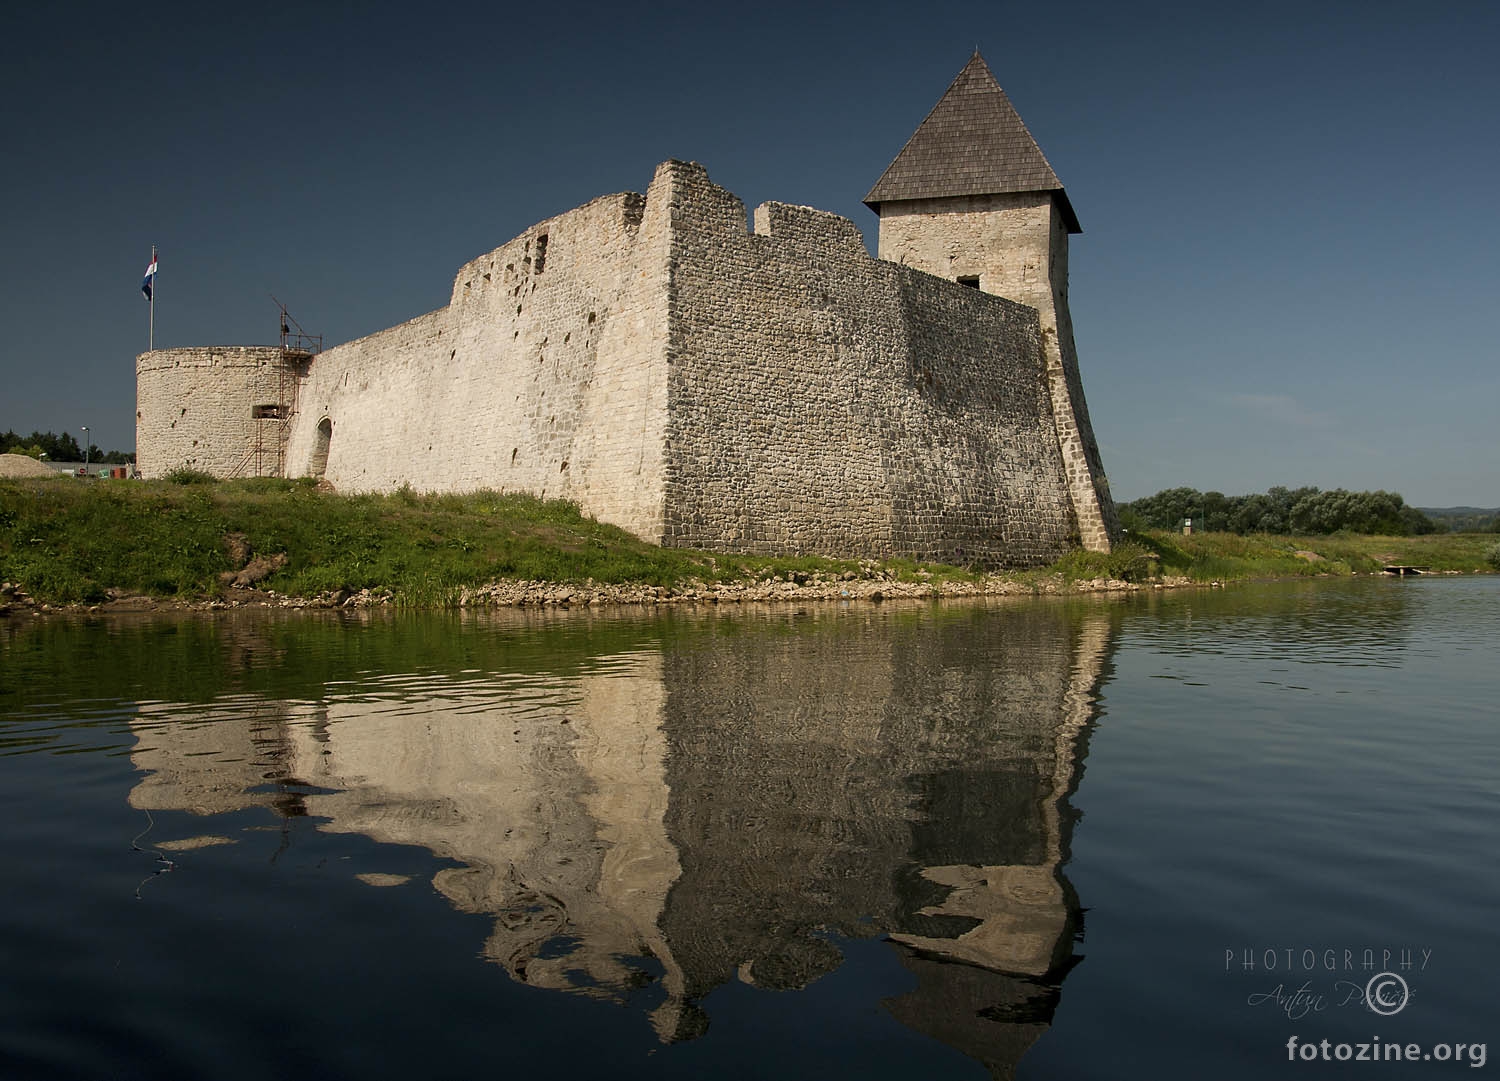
x,y
541,254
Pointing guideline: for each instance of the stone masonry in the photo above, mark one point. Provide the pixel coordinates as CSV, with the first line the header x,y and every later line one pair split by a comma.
x,y
703,383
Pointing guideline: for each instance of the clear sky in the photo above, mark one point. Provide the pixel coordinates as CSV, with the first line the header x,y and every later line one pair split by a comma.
x,y
1288,272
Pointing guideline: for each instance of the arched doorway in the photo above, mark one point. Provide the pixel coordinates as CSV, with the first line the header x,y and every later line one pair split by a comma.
x,y
319,464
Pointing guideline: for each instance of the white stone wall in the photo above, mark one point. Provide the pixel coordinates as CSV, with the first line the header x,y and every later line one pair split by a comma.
x,y
544,378
1004,240
193,409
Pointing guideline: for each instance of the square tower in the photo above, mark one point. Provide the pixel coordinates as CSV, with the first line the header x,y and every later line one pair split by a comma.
x,y
971,198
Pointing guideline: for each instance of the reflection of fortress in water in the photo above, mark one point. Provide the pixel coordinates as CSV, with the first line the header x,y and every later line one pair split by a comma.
x,y
675,818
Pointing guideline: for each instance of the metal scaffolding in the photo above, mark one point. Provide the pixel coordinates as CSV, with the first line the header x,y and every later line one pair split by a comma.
x,y
273,420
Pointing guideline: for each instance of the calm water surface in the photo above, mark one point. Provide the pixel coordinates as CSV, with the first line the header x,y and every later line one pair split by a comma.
x,y
1153,837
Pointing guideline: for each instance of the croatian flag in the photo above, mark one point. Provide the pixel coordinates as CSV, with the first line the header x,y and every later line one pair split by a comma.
x,y
150,279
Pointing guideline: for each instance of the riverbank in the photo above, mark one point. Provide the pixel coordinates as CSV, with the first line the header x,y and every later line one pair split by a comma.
x,y
136,546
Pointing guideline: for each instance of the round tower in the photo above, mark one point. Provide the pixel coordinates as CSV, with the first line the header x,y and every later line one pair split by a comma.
x,y
971,198
215,408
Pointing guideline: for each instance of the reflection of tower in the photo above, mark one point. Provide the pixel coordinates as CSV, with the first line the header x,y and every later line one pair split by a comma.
x,y
1002,1002
870,774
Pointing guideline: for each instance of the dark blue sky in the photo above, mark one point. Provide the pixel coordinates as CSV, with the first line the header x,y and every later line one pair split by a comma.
x,y
1287,274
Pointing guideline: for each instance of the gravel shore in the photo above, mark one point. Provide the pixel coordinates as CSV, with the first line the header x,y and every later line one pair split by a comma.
x,y
527,594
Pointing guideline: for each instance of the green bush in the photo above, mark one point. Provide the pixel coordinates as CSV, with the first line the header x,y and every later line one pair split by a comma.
x,y
184,475
1129,561
1492,557
1133,562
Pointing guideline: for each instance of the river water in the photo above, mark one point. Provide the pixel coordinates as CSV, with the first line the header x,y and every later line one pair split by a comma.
x,y
1148,837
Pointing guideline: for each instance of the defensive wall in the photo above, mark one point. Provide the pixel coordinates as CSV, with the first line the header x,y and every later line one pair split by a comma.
x,y
823,400
690,379
546,373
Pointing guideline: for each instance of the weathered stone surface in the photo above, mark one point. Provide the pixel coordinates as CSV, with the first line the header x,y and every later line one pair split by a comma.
x,y
972,198
544,374
824,401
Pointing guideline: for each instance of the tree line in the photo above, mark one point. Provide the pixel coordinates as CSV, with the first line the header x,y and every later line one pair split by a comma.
x,y
59,448
1465,519
1306,511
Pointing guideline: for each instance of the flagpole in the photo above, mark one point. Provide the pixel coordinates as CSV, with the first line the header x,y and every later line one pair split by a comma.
x,y
151,331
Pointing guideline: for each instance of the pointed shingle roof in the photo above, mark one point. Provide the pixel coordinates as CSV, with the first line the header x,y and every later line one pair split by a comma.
x,y
972,143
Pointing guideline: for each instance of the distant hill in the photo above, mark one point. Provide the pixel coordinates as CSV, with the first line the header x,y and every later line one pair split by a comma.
x,y
1465,519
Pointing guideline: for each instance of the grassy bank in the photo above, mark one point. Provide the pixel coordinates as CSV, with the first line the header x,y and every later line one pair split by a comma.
x,y
64,541
1206,557
71,542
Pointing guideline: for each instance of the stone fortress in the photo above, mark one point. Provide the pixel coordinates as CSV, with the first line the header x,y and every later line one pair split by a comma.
x,y
772,389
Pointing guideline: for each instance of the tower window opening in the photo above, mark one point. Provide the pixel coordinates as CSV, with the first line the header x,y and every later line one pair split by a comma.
x,y
972,283
541,254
